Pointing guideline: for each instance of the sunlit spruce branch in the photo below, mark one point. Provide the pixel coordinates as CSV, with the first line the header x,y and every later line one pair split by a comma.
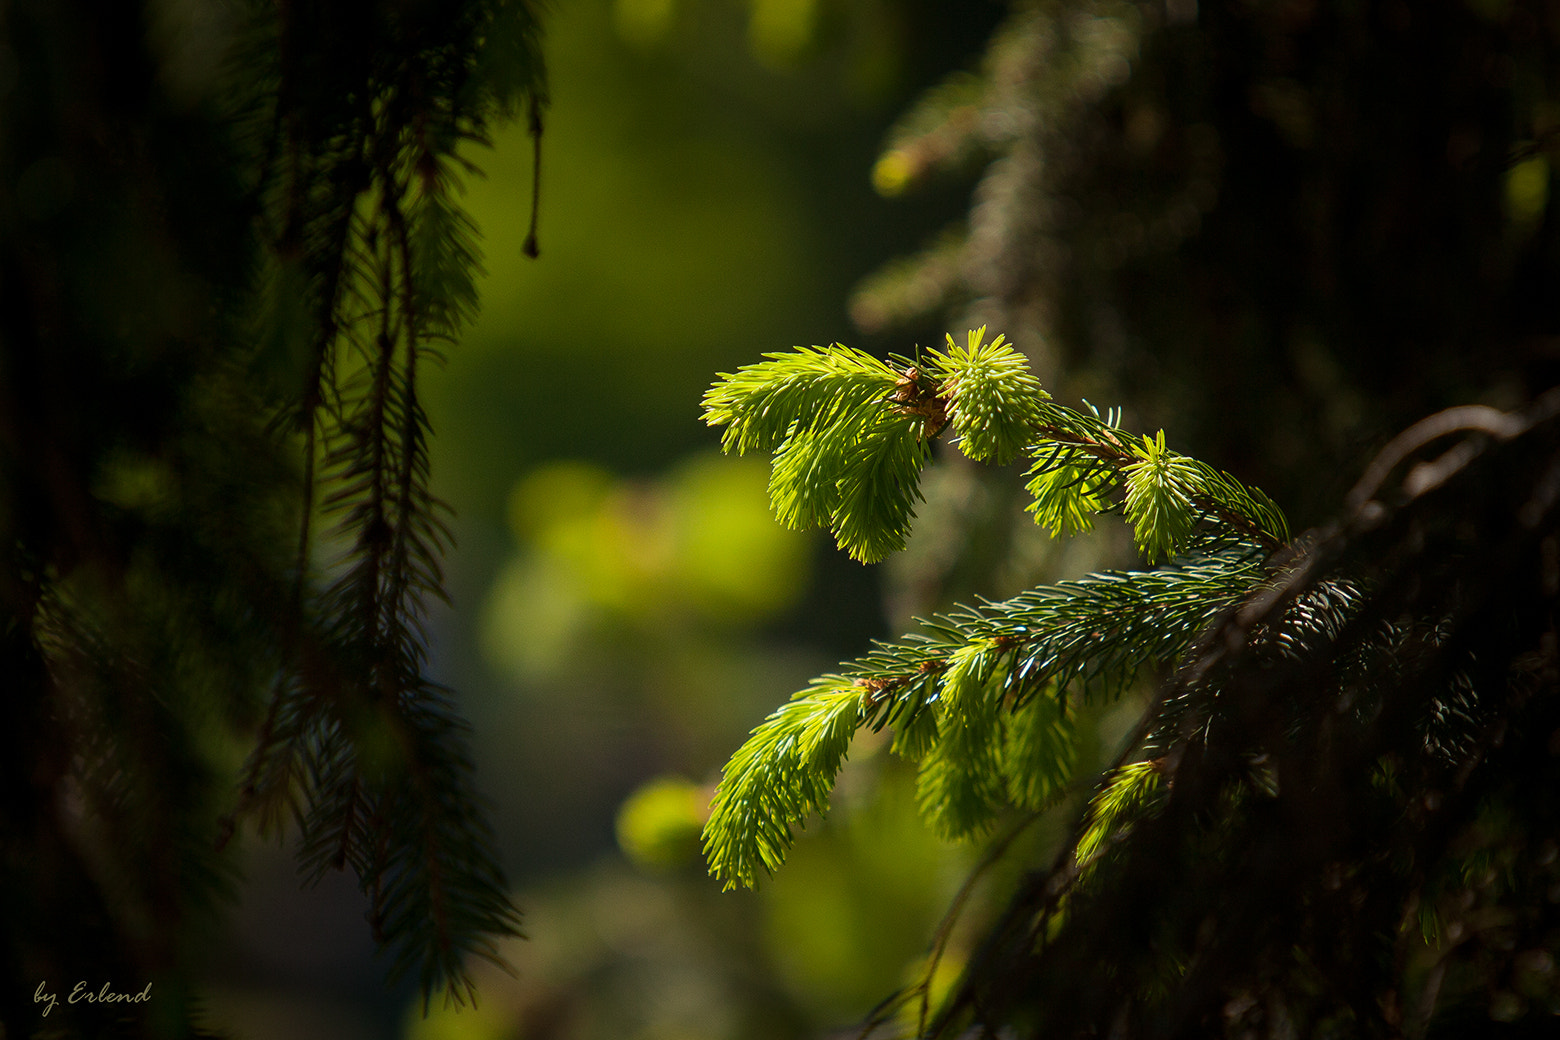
x,y
1079,464
1287,666
851,434
982,698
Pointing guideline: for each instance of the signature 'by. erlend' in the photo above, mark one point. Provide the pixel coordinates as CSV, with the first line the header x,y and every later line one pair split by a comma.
x,y
81,994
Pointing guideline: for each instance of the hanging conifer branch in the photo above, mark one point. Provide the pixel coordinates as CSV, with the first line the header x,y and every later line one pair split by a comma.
x,y
218,519
364,748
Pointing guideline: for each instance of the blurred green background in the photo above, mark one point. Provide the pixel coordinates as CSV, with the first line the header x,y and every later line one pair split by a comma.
x,y
1159,223
625,608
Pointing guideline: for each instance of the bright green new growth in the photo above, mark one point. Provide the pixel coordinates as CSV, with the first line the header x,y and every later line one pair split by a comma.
x,y
993,399
1129,792
849,444
780,775
981,698
1159,498
851,434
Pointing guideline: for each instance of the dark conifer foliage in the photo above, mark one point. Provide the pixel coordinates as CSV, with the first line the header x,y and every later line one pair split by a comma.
x,y
230,237
1350,834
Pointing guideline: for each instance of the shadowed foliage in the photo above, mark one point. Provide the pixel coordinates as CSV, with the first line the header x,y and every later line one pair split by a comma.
x,y
229,237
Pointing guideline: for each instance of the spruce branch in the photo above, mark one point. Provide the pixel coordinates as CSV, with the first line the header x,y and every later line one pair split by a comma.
x,y
808,390
959,786
851,434
1040,751
1084,463
981,697
236,527
783,773
1158,498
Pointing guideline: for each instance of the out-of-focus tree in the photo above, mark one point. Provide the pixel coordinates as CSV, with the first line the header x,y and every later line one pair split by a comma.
x,y
1294,228
230,243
